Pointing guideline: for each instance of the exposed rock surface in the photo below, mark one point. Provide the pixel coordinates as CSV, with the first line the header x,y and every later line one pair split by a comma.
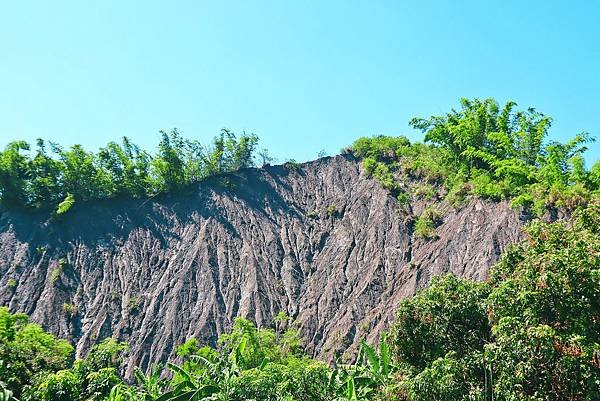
x,y
322,242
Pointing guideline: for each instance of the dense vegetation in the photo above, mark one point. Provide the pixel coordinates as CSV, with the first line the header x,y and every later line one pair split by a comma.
x,y
532,332
487,151
55,177
481,149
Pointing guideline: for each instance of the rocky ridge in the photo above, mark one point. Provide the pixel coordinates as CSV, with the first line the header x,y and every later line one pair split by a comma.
x,y
319,241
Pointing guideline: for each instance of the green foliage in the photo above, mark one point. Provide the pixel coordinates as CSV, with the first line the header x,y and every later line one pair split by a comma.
x,y
250,363
55,275
378,154
292,165
545,309
530,333
295,380
458,193
403,198
450,316
427,222
424,191
380,147
488,151
60,386
264,157
6,394
446,379
312,214
27,351
65,205
11,283
134,303
13,173
58,270
149,386
70,309
368,377
89,379
55,178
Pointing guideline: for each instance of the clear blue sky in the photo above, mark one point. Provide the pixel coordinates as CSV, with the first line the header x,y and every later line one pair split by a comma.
x,y
303,75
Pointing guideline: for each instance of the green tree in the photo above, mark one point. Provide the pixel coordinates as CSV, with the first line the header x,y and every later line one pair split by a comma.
x,y
79,174
450,316
44,181
92,378
126,168
60,176
530,333
545,311
14,173
241,151
168,165
26,351
484,150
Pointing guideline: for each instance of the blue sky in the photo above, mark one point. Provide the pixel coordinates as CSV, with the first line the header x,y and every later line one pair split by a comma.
x,y
303,75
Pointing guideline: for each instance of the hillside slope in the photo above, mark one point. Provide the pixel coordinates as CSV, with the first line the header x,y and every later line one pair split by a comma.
x,y
321,242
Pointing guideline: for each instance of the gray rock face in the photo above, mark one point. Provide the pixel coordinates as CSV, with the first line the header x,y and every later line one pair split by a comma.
x,y
321,242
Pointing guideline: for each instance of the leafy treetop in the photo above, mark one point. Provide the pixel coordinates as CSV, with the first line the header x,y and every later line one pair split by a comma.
x,y
52,176
489,151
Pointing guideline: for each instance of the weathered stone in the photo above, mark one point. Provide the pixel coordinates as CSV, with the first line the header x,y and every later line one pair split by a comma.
x,y
322,242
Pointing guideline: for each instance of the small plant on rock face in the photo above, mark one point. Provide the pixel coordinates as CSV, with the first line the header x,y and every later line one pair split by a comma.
x,y
58,271
457,195
312,214
427,222
226,182
134,303
70,309
403,198
282,320
55,274
265,159
292,165
12,283
332,211
65,205
424,191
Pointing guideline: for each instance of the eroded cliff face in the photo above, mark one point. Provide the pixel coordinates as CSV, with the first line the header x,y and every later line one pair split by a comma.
x,y
321,242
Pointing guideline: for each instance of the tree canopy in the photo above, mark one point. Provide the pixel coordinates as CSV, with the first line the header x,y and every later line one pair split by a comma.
x,y
489,151
50,176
